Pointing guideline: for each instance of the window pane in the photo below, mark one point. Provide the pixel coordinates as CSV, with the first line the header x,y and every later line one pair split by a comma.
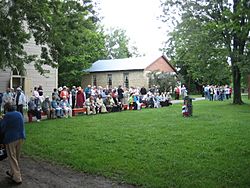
x,y
94,82
110,80
126,80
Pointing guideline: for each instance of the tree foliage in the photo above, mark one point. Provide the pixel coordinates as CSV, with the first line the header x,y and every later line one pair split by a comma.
x,y
14,33
200,60
209,35
117,44
165,81
75,39
66,31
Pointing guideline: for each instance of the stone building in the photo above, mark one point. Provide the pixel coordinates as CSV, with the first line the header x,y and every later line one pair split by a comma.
x,y
30,77
126,72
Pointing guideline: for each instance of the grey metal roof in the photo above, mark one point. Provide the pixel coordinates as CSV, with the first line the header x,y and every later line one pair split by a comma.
x,y
138,63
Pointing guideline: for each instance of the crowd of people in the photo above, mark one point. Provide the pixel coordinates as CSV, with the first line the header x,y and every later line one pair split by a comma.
x,y
16,98
220,93
210,92
94,99
180,91
100,100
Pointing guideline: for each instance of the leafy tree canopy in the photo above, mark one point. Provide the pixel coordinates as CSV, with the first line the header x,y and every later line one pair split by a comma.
x,y
117,44
66,31
164,81
75,38
208,36
14,33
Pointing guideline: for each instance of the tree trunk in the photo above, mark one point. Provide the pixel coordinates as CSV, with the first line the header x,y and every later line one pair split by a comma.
x,y
236,84
189,84
249,86
238,50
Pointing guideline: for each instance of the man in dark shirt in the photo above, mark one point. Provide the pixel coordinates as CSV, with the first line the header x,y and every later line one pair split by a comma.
x,y
120,92
12,127
73,96
143,91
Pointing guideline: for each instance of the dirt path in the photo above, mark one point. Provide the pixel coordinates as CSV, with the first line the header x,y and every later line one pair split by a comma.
x,y
42,174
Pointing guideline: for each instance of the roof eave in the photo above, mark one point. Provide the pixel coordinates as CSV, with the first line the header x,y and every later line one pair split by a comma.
x,y
116,70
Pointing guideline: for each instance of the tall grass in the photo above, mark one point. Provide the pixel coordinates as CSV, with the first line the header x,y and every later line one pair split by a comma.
x,y
153,147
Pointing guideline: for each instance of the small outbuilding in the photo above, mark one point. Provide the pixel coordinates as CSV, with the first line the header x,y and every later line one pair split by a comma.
x,y
128,72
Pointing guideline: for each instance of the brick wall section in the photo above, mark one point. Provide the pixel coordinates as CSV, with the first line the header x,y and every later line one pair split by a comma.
x,y
160,64
136,79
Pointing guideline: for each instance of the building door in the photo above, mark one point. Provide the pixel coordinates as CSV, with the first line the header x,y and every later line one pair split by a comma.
x,y
17,81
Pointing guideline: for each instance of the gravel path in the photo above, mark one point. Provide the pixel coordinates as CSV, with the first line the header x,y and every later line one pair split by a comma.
x,y
181,101
38,174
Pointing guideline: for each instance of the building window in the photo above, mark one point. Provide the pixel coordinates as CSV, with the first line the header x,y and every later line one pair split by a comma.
x,y
125,80
18,72
94,82
110,80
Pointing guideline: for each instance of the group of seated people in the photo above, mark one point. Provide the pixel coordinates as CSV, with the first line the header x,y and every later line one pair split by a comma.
x,y
62,108
52,108
96,103
111,102
149,100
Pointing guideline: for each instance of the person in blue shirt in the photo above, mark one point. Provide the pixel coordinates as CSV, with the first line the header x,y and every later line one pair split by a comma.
x,y
12,127
1,99
87,91
58,110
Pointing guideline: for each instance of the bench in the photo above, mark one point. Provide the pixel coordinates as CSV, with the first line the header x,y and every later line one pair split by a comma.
x,y
75,111
30,116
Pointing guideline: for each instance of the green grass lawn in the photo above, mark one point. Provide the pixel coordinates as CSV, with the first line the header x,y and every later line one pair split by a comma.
x,y
153,147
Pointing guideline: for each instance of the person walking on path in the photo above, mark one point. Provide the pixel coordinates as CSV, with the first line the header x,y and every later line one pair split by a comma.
x,y
12,127
183,91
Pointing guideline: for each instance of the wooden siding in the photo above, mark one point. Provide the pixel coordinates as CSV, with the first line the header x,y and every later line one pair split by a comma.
x,y
32,77
4,80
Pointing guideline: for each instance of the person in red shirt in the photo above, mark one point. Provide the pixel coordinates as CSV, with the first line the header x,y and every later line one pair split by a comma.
x,y
80,98
64,93
177,93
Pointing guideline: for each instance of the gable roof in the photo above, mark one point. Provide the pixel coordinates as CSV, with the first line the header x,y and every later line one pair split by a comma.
x,y
138,63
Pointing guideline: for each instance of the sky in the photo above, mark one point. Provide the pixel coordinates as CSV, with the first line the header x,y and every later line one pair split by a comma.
x,y
139,19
